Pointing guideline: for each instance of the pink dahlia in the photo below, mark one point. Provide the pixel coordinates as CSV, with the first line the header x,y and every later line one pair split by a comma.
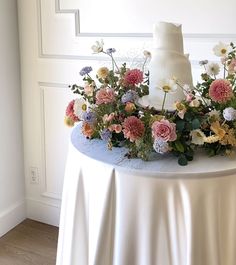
x,y
164,130
133,77
105,96
220,90
70,111
133,128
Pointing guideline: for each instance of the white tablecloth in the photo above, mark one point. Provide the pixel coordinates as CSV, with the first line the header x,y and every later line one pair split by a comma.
x,y
117,211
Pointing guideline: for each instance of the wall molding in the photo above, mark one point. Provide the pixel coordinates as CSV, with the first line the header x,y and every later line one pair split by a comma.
x,y
127,36
42,211
42,86
12,216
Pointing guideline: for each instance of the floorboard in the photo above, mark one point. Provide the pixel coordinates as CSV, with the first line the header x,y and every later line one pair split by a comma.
x,y
29,243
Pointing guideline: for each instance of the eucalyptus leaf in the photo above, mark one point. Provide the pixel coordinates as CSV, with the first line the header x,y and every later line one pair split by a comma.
x,y
179,146
182,160
196,124
180,125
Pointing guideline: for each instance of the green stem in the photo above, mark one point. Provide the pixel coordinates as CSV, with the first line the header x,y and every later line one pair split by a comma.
x,y
163,103
144,64
114,62
195,89
224,71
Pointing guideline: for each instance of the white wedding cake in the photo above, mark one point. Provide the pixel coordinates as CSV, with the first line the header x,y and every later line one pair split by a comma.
x,y
168,61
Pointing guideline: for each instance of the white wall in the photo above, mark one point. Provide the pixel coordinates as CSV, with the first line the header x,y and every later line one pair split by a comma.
x,y
55,41
12,210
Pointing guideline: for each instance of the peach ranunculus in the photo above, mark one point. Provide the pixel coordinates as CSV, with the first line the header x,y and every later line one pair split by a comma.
x,y
102,72
133,128
117,128
232,66
88,90
130,107
164,130
105,96
87,130
181,109
108,118
220,90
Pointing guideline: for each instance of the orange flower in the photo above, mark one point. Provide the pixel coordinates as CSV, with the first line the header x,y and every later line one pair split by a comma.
x,y
130,107
87,130
216,128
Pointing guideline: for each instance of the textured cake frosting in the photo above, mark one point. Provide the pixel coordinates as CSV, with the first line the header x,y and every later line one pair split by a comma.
x,y
168,61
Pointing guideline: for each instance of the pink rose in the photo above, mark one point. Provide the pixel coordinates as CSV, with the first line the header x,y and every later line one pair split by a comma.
x,y
105,96
164,130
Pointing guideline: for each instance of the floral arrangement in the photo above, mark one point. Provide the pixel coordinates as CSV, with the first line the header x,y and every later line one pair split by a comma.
x,y
108,107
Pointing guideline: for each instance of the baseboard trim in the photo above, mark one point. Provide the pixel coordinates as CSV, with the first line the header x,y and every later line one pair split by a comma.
x,y
42,211
12,216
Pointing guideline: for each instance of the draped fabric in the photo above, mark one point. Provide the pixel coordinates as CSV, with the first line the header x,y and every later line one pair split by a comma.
x,y
123,212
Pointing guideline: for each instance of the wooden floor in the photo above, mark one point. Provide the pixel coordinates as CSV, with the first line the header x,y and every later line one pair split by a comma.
x,y
30,243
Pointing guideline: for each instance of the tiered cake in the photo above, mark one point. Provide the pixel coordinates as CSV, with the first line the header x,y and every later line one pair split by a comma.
x,y
168,61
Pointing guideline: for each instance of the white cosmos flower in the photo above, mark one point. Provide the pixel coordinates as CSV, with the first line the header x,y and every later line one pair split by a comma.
x,y
222,49
80,106
198,137
213,69
98,47
167,85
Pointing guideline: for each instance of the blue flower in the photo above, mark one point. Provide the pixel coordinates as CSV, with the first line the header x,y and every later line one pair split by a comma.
x,y
110,51
105,135
89,117
85,70
129,96
160,146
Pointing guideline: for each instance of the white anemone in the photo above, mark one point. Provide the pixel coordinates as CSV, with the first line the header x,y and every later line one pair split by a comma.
x,y
167,85
222,49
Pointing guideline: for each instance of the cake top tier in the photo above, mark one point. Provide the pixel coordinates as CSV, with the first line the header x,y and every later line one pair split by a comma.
x,y
168,36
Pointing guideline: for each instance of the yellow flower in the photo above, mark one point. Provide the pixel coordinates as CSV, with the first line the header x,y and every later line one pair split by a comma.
x,y
68,121
230,153
156,118
102,72
130,107
217,129
180,107
211,139
229,137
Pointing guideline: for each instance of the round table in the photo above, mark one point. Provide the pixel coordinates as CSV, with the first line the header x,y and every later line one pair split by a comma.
x,y
117,211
